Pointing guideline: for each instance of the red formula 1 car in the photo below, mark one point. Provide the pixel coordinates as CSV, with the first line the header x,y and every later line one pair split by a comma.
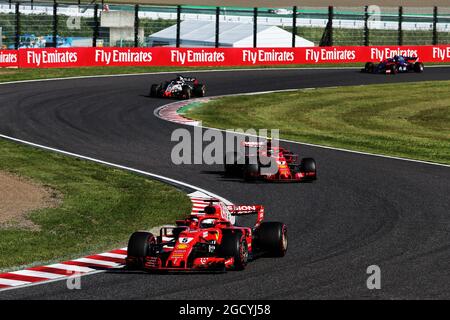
x,y
394,65
208,242
180,88
251,166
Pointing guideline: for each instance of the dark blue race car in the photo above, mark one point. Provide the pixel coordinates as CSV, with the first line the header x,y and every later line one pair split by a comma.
x,y
395,65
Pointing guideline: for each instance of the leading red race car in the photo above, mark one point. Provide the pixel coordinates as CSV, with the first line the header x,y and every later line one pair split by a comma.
x,y
254,164
208,242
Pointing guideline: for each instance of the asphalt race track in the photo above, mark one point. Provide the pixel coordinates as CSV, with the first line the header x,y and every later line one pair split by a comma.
x,y
362,210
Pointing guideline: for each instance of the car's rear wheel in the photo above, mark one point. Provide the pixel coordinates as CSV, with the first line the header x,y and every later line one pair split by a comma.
x,y
200,90
418,67
139,247
309,168
251,171
231,164
154,90
369,67
234,245
271,238
186,93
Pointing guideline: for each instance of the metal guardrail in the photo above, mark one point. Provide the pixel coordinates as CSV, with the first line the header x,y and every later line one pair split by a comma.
x,y
41,24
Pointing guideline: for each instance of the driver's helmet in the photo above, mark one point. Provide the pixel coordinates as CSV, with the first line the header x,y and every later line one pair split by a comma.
x,y
179,78
193,223
208,223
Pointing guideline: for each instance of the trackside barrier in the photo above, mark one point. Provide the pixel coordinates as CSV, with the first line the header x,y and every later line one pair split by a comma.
x,y
194,57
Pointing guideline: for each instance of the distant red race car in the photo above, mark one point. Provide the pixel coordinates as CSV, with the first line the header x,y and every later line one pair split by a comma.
x,y
208,242
394,65
251,167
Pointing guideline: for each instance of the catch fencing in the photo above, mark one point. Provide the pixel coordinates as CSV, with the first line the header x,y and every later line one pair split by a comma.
x,y
61,24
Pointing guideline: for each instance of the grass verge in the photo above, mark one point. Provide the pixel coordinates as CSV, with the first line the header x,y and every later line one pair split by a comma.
x,y
101,207
413,124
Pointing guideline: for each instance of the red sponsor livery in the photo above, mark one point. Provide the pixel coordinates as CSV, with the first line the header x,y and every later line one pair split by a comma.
x,y
8,58
208,241
163,56
263,161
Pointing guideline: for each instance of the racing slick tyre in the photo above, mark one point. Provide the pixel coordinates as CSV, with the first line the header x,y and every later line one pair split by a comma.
x,y
308,166
200,90
251,171
186,93
139,246
234,245
154,90
369,67
271,238
418,67
231,164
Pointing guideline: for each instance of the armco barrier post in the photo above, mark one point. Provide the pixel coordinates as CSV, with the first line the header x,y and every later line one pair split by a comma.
x,y
330,24
17,36
400,22
55,24
96,26
294,25
136,26
217,27
435,21
366,26
255,27
178,26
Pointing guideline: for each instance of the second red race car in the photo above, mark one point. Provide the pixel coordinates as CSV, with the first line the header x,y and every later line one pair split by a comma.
x,y
287,167
208,242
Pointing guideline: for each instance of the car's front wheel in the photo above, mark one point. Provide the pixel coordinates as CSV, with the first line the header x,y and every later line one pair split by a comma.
x,y
308,168
139,246
418,67
154,90
234,245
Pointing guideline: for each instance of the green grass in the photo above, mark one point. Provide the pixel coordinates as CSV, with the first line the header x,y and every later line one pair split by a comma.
x,y
101,207
414,124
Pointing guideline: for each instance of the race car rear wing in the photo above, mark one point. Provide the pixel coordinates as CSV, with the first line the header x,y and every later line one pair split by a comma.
x,y
254,144
188,79
243,210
